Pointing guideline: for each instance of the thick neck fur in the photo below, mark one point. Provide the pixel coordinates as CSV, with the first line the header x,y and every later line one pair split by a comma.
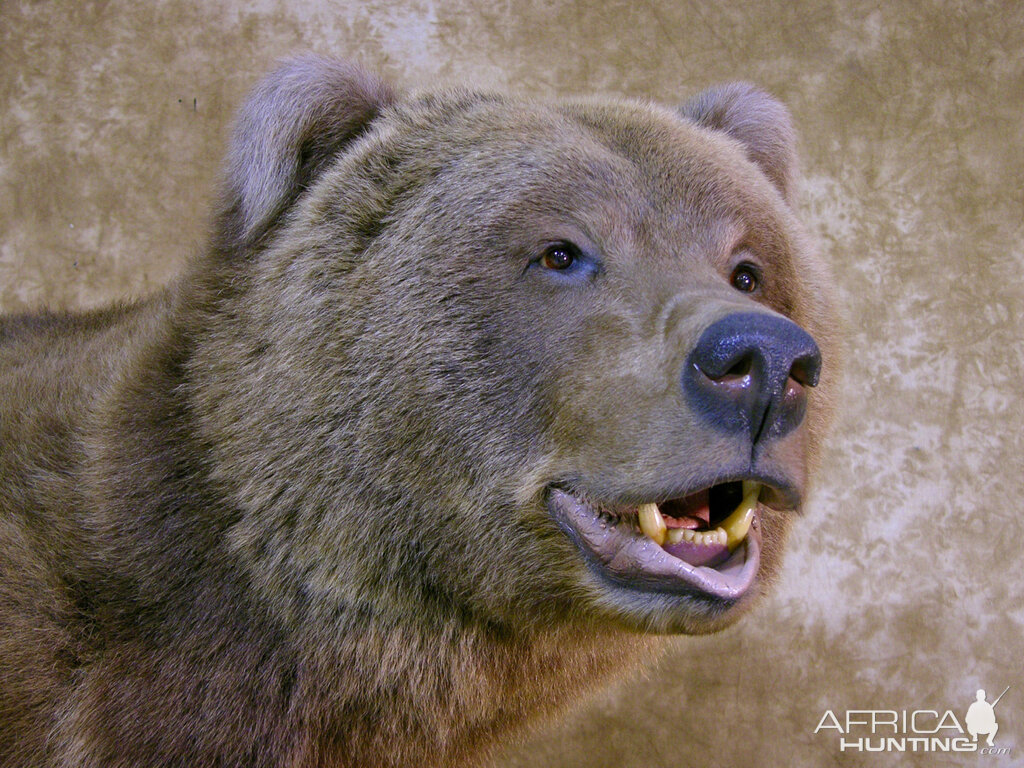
x,y
178,652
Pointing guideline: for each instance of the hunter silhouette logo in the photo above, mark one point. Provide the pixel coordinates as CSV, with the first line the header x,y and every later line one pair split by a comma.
x,y
981,717
916,730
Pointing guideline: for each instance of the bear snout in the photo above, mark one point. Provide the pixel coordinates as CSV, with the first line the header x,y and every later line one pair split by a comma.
x,y
749,372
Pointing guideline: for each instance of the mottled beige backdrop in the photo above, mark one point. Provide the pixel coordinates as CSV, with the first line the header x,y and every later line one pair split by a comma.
x,y
904,587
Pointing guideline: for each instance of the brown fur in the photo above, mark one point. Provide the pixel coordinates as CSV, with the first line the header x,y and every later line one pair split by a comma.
x,y
290,510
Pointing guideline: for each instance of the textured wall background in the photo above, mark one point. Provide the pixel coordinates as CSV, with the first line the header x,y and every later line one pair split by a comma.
x,y
904,587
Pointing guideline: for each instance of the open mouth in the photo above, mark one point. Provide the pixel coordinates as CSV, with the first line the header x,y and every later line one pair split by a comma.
x,y
707,543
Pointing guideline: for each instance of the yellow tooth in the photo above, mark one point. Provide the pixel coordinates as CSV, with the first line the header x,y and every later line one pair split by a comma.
x,y
737,524
652,523
701,538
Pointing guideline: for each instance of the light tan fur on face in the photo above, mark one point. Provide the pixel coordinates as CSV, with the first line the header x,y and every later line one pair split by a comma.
x,y
291,509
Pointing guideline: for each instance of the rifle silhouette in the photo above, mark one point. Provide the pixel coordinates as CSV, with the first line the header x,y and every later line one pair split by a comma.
x,y
999,697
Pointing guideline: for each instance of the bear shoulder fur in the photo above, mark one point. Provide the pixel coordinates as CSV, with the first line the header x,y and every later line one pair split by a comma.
x,y
331,497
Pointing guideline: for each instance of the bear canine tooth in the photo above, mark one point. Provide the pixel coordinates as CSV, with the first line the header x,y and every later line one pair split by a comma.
x,y
737,524
652,523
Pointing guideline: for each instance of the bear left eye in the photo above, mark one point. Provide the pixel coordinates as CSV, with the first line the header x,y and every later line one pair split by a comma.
x,y
745,278
560,256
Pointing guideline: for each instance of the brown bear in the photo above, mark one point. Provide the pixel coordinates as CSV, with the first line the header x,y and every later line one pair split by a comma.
x,y
469,399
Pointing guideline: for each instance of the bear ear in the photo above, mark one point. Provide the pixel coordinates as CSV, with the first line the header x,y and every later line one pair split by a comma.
x,y
758,121
295,120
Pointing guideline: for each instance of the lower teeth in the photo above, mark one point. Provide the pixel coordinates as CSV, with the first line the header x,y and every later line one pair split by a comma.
x,y
731,532
702,538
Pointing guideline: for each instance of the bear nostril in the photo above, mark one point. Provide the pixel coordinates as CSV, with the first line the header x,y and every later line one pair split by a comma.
x,y
732,377
806,369
740,368
721,368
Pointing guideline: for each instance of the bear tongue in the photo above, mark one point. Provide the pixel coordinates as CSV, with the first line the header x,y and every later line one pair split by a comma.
x,y
691,512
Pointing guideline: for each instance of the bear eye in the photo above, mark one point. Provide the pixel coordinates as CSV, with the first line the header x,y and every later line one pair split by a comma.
x,y
559,256
745,278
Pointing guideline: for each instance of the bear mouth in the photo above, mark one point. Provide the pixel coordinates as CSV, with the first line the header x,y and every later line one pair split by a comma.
x,y
705,544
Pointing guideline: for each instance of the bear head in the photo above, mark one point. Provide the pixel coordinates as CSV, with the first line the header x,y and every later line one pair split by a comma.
x,y
533,362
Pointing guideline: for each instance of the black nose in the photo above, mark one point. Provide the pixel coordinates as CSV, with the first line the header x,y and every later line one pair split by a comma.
x,y
748,374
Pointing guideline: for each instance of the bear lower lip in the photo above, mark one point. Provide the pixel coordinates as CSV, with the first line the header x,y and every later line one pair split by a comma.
x,y
632,559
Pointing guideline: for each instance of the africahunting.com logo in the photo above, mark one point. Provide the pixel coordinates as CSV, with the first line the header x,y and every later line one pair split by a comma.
x,y
917,730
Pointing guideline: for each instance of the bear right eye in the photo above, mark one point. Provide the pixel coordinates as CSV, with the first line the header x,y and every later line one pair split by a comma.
x,y
560,256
